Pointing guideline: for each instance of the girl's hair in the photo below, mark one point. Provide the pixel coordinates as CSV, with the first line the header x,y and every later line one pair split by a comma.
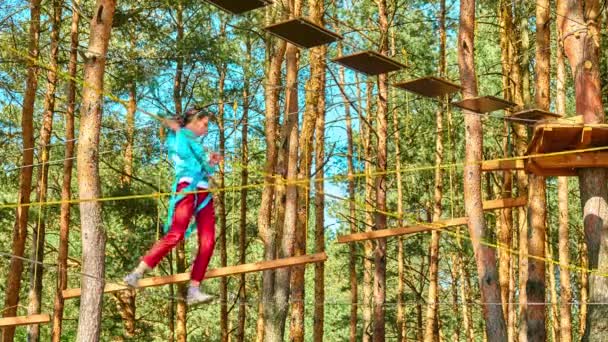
x,y
193,114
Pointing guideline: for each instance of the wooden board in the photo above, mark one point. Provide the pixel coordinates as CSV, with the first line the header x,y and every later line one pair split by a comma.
x,y
437,225
561,137
430,86
215,273
24,320
370,63
239,7
502,165
378,234
484,104
303,33
532,116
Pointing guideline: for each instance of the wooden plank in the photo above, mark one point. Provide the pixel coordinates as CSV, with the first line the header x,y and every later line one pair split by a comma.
x,y
24,320
437,225
502,203
498,165
215,273
578,160
378,234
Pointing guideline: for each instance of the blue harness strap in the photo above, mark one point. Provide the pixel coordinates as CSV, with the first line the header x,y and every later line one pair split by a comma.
x,y
178,196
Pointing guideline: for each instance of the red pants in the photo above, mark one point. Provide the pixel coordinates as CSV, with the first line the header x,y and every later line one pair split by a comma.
x,y
205,223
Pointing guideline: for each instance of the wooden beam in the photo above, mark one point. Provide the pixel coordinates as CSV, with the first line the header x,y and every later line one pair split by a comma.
x,y
378,234
502,203
215,273
24,320
437,225
498,165
573,161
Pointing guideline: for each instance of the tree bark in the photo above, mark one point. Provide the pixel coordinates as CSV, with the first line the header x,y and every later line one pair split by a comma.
x,y
485,256
242,314
565,312
369,219
38,235
66,190
221,201
552,291
275,54
181,329
432,325
584,289
13,284
380,217
93,233
535,286
352,262
579,22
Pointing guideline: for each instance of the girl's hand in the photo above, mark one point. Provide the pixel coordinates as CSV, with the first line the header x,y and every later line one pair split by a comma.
x,y
215,158
172,124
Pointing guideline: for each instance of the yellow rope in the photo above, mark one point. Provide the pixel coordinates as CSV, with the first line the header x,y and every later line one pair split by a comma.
x,y
339,177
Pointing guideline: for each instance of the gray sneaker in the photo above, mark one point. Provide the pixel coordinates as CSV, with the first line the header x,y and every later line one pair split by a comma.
x,y
132,279
195,296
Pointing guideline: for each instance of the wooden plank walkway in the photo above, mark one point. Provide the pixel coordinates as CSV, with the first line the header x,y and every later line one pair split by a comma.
x,y
437,225
215,273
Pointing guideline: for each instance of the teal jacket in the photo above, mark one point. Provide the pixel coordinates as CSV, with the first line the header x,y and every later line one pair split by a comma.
x,y
189,160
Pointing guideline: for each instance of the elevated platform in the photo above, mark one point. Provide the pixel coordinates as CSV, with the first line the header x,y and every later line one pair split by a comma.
x,y
437,225
532,116
215,273
239,7
24,320
303,33
370,63
484,104
429,86
558,137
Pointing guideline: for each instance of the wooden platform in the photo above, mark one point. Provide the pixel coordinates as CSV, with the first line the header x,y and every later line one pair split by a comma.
x,y
303,33
532,116
370,63
239,7
215,273
502,165
24,320
437,225
484,104
555,138
429,86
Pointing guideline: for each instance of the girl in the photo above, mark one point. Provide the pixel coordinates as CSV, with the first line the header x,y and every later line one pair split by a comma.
x,y
190,198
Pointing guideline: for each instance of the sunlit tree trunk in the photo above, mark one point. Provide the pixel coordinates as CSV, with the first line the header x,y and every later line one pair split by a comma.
x,y
93,232
13,283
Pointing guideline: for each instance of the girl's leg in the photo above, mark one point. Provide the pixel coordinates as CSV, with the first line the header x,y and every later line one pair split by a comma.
x,y
181,219
205,222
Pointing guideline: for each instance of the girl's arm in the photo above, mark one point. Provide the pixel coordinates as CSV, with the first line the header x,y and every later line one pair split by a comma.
x,y
171,124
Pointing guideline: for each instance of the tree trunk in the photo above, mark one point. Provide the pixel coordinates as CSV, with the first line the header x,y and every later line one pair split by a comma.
x,y
240,332
485,256
565,312
552,291
66,190
275,330
352,263
181,329
506,215
432,326
535,287
221,204
580,25
93,233
13,284
38,236
380,217
275,54
369,219
319,320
